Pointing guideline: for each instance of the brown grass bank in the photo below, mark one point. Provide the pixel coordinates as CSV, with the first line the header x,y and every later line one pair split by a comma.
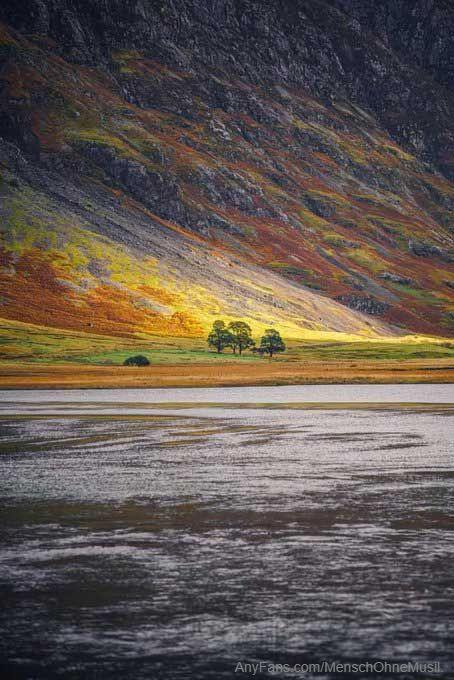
x,y
28,376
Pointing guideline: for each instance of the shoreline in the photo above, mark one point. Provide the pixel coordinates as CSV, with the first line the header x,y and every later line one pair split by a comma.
x,y
229,374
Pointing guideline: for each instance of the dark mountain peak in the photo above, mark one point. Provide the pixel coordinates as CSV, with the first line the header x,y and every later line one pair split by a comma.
x,y
396,59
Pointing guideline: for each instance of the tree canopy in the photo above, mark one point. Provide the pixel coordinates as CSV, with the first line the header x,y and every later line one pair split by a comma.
x,y
220,337
241,334
271,342
238,336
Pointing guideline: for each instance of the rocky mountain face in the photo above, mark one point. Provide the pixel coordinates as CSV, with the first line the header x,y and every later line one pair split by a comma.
x,y
164,162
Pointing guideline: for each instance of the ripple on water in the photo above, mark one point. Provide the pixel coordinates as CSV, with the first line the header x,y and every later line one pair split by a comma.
x,y
172,546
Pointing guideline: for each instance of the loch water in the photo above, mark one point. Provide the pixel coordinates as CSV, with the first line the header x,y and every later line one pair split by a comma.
x,y
178,533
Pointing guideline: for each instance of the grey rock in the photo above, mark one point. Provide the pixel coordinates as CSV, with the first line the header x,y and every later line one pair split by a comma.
x,y
367,305
156,190
426,249
396,278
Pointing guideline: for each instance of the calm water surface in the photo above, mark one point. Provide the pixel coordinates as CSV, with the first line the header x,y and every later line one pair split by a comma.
x,y
162,534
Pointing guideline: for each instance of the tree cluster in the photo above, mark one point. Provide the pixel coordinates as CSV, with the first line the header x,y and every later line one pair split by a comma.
x,y
238,337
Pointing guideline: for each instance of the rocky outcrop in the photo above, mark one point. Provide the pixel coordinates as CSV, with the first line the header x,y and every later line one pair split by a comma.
x,y
15,126
426,249
336,50
396,278
421,31
157,190
366,305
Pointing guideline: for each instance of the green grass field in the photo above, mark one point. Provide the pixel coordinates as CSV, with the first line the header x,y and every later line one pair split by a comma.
x,y
23,342
26,343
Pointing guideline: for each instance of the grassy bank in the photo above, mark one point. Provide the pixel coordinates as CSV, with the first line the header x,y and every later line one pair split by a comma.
x,y
33,356
264,372
35,344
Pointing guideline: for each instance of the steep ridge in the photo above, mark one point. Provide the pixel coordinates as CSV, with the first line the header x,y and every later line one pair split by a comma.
x,y
164,163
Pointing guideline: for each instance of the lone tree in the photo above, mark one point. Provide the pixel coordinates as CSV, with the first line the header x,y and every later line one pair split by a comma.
x,y
220,337
241,333
137,360
271,342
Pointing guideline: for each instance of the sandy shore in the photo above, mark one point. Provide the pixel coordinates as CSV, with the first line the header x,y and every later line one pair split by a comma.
x,y
27,376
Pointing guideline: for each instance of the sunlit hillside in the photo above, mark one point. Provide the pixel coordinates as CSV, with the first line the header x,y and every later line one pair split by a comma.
x,y
147,193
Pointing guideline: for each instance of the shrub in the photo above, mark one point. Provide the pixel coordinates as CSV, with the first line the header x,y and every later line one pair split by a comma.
x,y
138,360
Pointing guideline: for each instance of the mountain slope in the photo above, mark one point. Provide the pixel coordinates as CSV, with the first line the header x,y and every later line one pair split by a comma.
x,y
166,163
